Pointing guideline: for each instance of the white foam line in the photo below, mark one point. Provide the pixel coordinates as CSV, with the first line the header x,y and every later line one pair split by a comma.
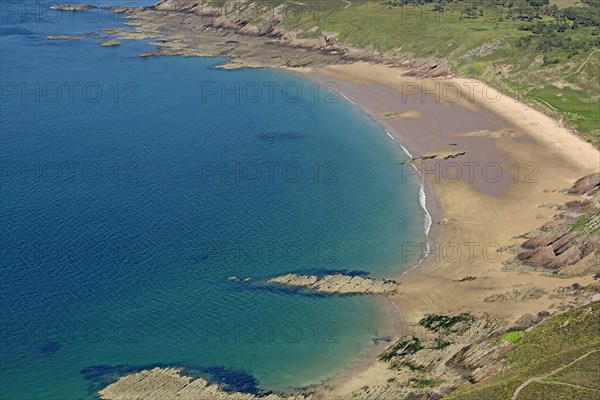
x,y
422,197
344,96
427,217
390,135
407,153
423,202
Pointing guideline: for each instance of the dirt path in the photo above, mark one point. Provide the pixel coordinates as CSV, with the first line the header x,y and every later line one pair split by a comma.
x,y
541,378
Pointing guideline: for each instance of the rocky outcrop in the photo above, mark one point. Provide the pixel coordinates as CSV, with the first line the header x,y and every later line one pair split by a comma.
x,y
589,185
527,320
568,245
478,361
523,294
338,284
450,351
73,7
65,37
390,392
110,43
169,383
121,9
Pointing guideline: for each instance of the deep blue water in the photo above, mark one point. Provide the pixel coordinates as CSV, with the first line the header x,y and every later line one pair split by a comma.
x,y
132,188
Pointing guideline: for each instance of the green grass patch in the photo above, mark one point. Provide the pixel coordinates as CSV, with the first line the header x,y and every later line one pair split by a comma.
x,y
549,391
513,336
425,382
588,224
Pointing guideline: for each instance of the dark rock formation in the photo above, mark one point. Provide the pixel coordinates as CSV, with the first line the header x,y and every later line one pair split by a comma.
x,y
569,244
589,185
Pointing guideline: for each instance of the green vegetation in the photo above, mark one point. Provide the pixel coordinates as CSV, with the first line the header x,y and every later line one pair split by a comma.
x,y
584,373
588,224
529,49
548,391
424,382
441,343
404,364
554,343
436,323
403,346
513,336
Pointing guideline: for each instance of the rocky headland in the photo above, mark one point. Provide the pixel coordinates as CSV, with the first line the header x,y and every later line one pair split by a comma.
x,y
252,36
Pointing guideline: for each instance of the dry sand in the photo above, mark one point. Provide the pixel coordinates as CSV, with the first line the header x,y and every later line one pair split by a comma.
x,y
488,207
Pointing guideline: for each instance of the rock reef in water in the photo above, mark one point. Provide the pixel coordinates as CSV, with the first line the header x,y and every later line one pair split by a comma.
x,y
110,43
65,37
338,284
73,7
169,383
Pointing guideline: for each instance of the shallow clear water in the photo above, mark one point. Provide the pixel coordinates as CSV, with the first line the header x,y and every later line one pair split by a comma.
x,y
131,190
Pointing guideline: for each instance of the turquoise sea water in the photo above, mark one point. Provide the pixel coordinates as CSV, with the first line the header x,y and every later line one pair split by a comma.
x,y
132,188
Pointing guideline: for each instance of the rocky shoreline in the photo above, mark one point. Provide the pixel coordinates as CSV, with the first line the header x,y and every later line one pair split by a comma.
x,y
567,245
250,37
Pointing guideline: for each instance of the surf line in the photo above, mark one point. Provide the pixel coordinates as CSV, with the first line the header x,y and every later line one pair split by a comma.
x,y
423,202
344,96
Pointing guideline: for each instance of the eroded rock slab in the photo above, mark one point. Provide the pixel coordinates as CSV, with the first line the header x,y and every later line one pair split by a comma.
x,y
338,284
170,384
73,7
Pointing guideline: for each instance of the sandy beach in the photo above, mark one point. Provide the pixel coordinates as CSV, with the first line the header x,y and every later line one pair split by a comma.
x,y
515,161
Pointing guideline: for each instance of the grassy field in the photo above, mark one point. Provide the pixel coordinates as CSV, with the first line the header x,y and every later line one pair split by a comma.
x,y
548,61
553,344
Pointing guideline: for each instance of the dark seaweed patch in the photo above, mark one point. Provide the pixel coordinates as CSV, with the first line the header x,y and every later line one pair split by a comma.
x,y
321,272
281,135
49,348
230,379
